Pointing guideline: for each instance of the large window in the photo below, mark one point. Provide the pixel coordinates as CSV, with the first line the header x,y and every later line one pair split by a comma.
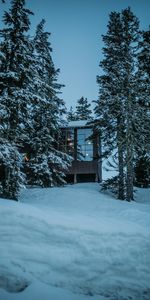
x,y
76,143
68,140
84,144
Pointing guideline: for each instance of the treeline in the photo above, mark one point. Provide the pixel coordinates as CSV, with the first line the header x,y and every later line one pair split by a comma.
x,y
123,106
30,106
31,110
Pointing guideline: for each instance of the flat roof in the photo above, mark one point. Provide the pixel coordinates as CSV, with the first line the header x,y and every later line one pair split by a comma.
x,y
79,123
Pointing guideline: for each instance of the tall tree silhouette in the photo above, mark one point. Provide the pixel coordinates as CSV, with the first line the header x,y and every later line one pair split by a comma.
x,y
15,70
46,160
83,109
117,105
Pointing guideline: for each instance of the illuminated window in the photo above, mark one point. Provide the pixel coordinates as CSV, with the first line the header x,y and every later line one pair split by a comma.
x,y
68,139
84,145
77,144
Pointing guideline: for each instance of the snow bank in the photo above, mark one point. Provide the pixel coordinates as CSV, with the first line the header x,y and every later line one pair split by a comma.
x,y
73,243
39,291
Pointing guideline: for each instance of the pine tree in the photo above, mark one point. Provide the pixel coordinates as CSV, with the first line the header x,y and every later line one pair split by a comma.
x,y
131,36
46,163
110,107
15,67
142,163
143,78
15,49
83,111
117,104
11,175
71,116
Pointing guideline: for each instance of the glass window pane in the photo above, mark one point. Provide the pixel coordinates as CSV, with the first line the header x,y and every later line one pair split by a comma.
x,y
84,146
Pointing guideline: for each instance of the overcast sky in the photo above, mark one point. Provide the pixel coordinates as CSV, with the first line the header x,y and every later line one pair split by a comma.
x,y
76,27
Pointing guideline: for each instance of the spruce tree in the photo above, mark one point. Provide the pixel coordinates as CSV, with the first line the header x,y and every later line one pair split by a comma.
x,y
142,159
131,37
83,109
15,68
143,79
47,162
110,106
11,176
117,104
71,116
15,50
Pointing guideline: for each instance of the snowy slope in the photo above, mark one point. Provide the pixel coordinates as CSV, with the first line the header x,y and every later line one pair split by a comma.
x,y
73,243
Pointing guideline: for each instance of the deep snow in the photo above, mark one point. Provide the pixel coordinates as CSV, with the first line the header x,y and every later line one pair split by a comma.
x,y
74,242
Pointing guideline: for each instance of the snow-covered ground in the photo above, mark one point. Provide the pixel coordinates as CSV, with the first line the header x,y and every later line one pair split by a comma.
x,y
74,242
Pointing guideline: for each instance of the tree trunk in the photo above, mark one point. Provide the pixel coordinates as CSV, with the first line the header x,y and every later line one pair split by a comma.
x,y
121,187
129,178
129,151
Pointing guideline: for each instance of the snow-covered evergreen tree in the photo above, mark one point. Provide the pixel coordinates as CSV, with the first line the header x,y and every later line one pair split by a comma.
x,y
71,116
11,175
131,37
83,109
142,164
15,68
46,163
143,78
15,55
110,106
117,104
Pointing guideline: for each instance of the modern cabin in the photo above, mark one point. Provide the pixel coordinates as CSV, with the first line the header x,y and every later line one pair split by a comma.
x,y
83,145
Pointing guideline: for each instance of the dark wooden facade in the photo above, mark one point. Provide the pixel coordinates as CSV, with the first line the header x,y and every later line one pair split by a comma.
x,y
86,166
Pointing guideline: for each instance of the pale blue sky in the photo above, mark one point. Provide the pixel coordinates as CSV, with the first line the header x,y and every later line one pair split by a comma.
x,y
76,27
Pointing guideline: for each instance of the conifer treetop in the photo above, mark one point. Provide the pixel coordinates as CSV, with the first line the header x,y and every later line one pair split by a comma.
x,y
83,111
17,16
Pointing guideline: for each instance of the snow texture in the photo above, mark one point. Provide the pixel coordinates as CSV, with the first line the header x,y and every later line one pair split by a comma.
x,y
73,242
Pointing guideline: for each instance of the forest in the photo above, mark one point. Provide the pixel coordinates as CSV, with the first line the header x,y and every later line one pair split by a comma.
x,y
32,111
